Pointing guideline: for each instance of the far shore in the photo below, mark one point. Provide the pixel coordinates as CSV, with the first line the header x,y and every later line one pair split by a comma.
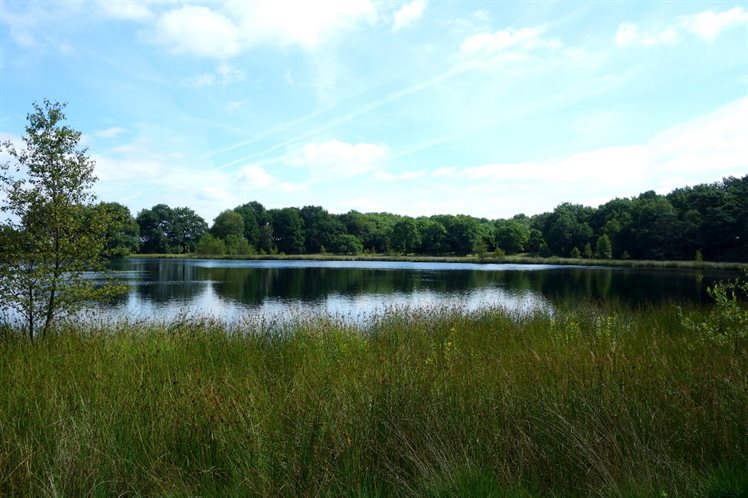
x,y
485,259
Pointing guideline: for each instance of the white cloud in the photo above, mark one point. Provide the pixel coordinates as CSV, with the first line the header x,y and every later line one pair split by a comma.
x,y
406,175
125,10
197,30
408,14
339,159
224,75
699,150
628,35
706,25
709,24
714,144
522,40
109,132
475,22
233,26
125,169
255,177
235,105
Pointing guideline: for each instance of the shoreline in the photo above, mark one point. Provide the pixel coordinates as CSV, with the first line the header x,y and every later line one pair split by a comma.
x,y
488,259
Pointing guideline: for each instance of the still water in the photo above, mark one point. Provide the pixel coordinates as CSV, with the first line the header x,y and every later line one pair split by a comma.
x,y
163,289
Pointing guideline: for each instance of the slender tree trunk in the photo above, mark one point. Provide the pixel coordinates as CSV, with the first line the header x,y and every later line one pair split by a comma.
x,y
52,294
31,313
50,310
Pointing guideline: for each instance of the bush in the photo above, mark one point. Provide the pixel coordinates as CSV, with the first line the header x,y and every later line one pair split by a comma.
x,y
238,246
347,244
210,246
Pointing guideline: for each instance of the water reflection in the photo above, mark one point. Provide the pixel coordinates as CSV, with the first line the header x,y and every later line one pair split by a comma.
x,y
165,289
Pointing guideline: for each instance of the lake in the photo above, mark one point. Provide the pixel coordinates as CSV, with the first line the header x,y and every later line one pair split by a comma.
x,y
164,289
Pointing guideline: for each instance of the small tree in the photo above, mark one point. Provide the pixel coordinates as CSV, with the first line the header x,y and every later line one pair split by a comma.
x,y
210,246
575,253
52,234
604,247
588,251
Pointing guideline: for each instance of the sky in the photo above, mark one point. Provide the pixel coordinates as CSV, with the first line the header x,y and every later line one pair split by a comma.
x,y
422,107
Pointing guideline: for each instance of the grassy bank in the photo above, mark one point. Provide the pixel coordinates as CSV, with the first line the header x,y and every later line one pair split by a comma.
x,y
489,258
587,402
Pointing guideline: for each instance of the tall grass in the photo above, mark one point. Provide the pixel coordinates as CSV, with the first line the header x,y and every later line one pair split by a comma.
x,y
585,401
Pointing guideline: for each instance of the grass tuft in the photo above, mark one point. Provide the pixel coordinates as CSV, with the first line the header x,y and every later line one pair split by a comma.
x,y
590,401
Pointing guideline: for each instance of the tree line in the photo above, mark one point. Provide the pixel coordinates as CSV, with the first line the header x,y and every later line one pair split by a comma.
x,y
708,221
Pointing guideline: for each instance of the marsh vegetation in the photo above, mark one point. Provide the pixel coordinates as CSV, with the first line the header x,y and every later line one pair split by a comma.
x,y
588,400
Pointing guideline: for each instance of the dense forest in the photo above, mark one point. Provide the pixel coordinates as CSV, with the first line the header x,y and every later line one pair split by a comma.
x,y
708,221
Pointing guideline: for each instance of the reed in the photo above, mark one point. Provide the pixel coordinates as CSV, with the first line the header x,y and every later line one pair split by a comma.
x,y
589,401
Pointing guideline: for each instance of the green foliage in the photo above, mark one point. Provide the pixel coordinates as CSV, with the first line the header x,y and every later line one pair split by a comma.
x,y
210,246
544,251
463,233
575,253
579,402
433,236
320,228
405,237
288,229
120,230
237,245
727,321
53,234
604,247
512,236
711,218
346,244
226,224
588,251
166,230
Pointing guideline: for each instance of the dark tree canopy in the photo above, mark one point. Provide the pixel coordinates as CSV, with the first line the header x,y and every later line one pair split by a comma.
x,y
166,230
711,219
288,228
228,223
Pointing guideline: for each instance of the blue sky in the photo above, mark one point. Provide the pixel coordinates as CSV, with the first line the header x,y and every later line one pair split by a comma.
x,y
486,108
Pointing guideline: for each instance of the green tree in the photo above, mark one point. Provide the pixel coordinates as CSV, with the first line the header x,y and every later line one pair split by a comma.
x,y
463,233
575,253
433,236
210,246
165,230
121,232
186,230
604,248
320,228
511,236
52,234
288,229
251,225
237,245
588,251
228,223
155,229
346,243
405,238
